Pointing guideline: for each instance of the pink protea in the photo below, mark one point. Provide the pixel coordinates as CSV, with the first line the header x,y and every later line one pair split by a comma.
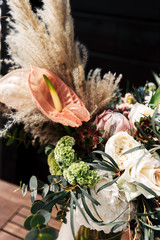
x,y
112,122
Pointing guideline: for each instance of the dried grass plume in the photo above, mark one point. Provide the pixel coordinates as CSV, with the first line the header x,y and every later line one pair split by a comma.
x,y
46,39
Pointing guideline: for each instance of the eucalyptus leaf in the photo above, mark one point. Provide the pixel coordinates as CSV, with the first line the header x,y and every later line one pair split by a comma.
x,y
51,231
145,188
45,236
117,226
90,197
107,184
55,200
72,217
33,235
157,227
33,195
133,149
24,189
27,223
109,157
33,183
51,179
78,205
88,210
38,205
45,190
37,220
46,215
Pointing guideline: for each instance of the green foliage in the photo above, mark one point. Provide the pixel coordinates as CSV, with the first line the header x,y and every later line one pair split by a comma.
x,y
18,135
42,234
155,99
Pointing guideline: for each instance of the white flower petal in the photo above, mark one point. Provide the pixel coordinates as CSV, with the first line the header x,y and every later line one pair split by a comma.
x,y
14,89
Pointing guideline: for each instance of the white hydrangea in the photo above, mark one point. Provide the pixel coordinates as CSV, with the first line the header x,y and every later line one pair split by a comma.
x,y
112,205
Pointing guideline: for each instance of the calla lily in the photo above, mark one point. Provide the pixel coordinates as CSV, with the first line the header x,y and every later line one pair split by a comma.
x,y
23,87
14,89
73,110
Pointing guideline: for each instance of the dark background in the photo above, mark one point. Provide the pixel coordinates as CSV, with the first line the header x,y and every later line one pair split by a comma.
x,y
121,36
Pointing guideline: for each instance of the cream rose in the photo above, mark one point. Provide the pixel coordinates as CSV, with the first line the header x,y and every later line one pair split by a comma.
x,y
139,110
113,203
147,172
120,143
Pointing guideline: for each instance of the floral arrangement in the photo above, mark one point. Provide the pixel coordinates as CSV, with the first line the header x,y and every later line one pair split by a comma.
x,y
102,149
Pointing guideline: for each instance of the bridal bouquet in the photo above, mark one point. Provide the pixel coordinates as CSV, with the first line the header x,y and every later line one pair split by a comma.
x,y
102,149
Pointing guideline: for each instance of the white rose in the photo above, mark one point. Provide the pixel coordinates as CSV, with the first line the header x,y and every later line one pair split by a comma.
x,y
112,202
120,143
147,172
139,110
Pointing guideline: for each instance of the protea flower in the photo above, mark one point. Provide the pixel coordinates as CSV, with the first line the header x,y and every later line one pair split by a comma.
x,y
112,122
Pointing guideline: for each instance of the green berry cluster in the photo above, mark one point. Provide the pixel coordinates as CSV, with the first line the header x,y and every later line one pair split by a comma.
x,y
80,173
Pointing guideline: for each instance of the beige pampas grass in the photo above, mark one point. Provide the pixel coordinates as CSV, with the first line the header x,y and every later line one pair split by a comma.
x,y
45,39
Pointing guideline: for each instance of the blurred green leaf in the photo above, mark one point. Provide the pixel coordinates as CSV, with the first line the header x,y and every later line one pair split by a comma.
x,y
33,235
155,99
88,210
107,156
48,149
33,183
37,206
24,189
134,149
57,197
37,220
46,215
78,205
90,197
10,141
72,217
27,223
145,188
45,190
51,231
45,236
33,195
107,184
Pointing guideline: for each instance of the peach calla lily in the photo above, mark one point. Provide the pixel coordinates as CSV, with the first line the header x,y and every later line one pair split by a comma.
x,y
14,89
73,110
23,88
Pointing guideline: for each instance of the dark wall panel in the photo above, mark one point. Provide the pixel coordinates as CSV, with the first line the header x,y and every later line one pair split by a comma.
x,y
139,9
